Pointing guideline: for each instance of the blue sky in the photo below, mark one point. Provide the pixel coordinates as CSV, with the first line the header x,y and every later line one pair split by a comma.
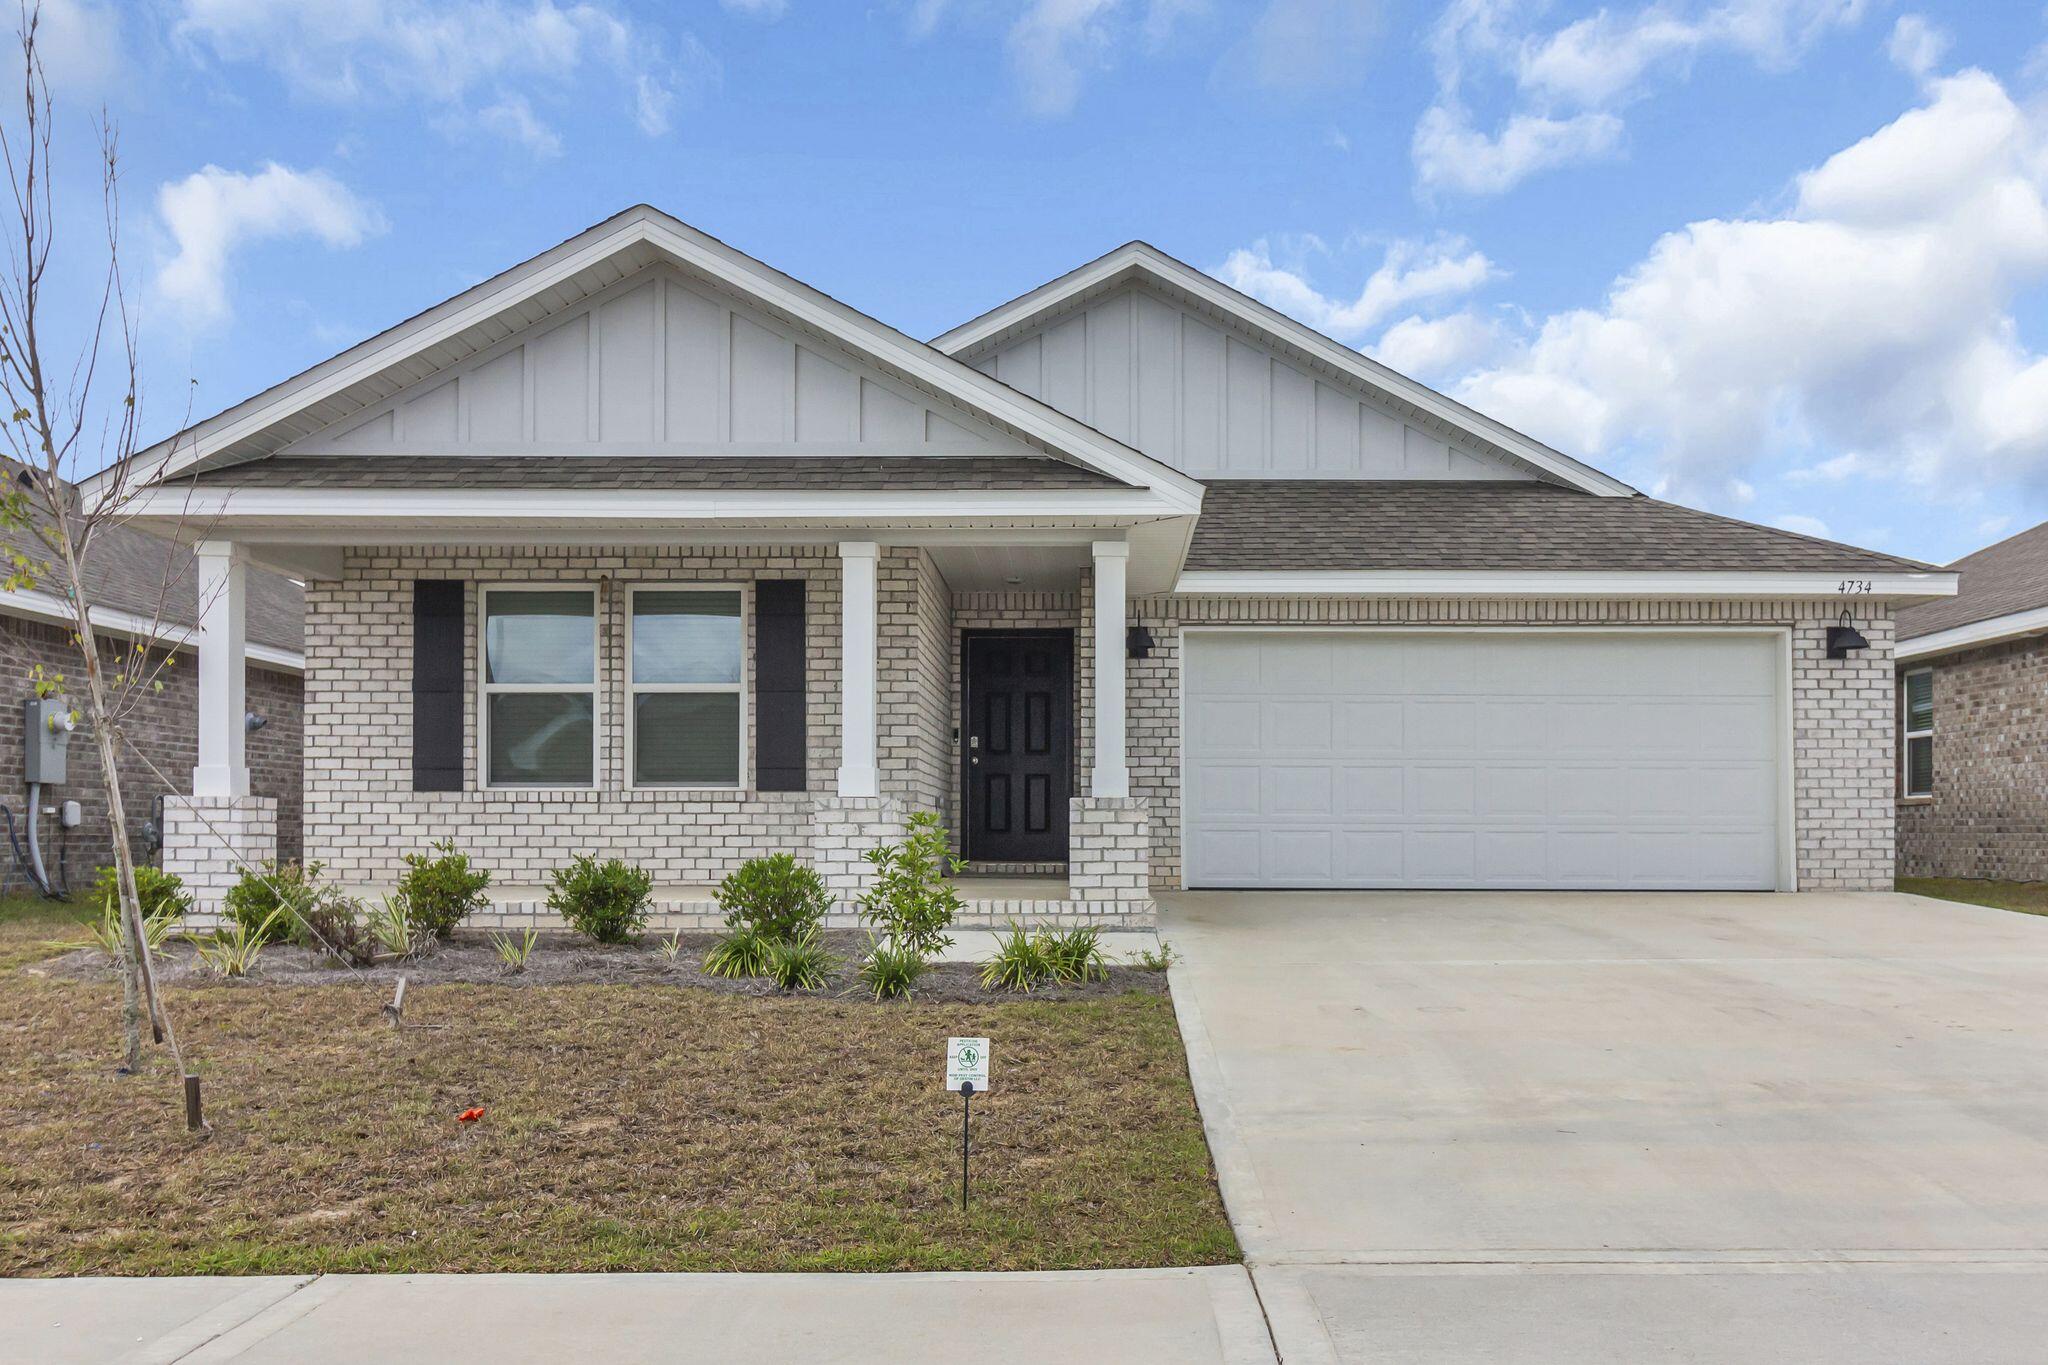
x,y
1784,259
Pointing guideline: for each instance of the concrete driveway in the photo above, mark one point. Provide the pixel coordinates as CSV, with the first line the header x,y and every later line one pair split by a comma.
x,y
1484,1127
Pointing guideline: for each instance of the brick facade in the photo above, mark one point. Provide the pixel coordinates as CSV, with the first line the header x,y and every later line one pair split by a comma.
x,y
162,727
362,815
1988,816
210,841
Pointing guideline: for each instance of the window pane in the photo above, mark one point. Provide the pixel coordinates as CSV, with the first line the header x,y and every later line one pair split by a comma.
x,y
541,739
686,637
1920,766
1919,701
539,637
686,738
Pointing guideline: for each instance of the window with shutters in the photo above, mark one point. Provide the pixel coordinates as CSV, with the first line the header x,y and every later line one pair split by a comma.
x,y
1916,714
539,680
686,684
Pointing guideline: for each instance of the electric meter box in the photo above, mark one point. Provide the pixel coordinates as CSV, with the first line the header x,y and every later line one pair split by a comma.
x,y
46,735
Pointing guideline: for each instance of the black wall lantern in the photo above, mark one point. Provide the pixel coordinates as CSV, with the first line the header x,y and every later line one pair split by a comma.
x,y
1845,637
1138,642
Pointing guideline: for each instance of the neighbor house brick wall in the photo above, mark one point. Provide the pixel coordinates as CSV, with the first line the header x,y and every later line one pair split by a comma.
x,y
161,727
1841,709
362,815
1988,816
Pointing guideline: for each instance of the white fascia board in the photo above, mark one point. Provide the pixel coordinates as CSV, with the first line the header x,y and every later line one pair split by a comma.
x,y
714,259
128,625
1516,583
226,508
1261,318
1989,632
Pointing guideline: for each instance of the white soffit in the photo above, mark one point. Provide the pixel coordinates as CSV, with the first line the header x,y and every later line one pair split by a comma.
x,y
2012,626
1139,260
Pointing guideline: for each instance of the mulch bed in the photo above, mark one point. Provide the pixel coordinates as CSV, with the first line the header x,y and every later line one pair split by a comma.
x,y
565,959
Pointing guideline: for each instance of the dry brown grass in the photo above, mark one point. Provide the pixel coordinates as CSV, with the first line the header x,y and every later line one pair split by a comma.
x,y
628,1127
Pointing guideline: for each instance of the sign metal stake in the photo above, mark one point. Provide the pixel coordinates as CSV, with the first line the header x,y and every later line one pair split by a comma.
x,y
966,1105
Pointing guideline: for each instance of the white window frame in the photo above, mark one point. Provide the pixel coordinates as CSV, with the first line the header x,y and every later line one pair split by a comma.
x,y
485,688
743,687
1907,735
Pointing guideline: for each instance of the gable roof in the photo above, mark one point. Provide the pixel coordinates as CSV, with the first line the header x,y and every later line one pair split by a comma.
x,y
2009,579
761,473
1140,261
580,267
1394,524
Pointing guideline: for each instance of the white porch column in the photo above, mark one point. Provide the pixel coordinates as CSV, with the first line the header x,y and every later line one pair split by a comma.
x,y
857,616
1111,776
222,636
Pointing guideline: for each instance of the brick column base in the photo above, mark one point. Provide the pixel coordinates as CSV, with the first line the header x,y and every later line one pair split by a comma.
x,y
843,829
208,840
1109,853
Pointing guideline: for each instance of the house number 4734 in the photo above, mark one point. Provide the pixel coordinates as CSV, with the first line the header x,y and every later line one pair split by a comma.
x,y
1853,585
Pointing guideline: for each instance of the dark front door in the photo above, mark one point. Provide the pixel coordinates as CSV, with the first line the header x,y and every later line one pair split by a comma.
x,y
1019,745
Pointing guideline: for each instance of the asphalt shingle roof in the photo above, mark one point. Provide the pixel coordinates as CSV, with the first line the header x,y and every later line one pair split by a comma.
x,y
131,571
774,473
1998,580
1303,524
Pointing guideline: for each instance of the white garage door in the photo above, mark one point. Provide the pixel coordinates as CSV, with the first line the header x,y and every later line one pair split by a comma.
x,y
1481,759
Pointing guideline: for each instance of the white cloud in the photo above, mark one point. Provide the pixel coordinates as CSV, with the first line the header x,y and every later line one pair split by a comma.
x,y
1565,86
1411,272
212,212
1050,44
477,60
1850,464
80,44
1451,154
1916,46
1875,317
758,9
1429,348
1801,524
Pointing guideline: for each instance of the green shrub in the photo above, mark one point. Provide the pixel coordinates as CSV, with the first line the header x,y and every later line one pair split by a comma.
x,y
109,936
232,952
393,932
336,926
1151,960
801,963
890,969
162,894
1076,955
1021,961
440,889
910,901
272,897
777,897
513,952
743,952
606,900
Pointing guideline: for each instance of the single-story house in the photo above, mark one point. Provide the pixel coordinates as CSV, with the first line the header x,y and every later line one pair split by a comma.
x,y
1973,720
142,587
644,548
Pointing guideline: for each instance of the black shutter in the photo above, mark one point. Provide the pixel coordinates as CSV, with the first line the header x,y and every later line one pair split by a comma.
x,y
437,686
779,739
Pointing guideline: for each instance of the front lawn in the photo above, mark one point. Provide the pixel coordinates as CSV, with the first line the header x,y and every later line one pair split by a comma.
x,y
627,1127
2027,897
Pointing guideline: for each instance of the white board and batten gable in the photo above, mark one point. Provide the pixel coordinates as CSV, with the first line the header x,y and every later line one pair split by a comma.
x,y
660,363
1152,352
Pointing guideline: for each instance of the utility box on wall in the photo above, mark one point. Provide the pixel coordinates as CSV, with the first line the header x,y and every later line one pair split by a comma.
x,y
46,736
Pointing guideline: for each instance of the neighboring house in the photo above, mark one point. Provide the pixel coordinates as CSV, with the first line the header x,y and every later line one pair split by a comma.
x,y
1973,720
142,587
643,548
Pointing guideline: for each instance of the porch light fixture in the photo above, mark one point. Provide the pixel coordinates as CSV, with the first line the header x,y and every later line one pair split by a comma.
x,y
1138,642
1845,637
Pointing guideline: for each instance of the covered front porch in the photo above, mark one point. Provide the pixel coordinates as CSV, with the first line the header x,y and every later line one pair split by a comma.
x,y
522,700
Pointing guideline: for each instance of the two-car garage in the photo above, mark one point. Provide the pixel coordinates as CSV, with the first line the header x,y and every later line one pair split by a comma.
x,y
1509,758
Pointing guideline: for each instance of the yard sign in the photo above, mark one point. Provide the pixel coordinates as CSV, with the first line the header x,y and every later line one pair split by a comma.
x,y
967,1064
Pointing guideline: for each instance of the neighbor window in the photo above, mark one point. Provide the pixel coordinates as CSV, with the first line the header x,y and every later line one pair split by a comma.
x,y
1918,718
685,683
540,687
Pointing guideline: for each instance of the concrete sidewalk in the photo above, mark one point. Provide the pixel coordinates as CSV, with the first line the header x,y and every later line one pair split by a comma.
x,y
1195,1316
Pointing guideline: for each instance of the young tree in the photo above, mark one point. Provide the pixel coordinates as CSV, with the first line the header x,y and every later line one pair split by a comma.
x,y
67,419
